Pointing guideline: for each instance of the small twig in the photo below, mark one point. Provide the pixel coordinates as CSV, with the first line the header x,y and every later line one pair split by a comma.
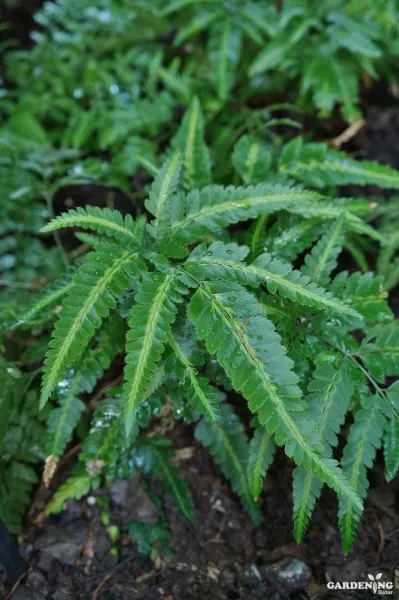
x,y
17,583
100,586
348,133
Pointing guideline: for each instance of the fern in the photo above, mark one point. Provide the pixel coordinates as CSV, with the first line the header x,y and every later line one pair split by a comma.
x,y
258,368
190,142
220,262
150,321
364,439
101,278
260,457
228,444
63,419
214,207
328,400
106,221
323,258
201,395
315,164
224,55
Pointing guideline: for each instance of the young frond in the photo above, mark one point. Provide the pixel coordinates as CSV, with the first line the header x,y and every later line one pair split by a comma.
x,y
315,164
365,293
44,301
251,159
214,207
189,141
223,262
380,351
365,439
100,280
261,451
229,446
391,448
224,48
322,260
330,391
103,220
230,320
165,184
63,419
150,321
203,397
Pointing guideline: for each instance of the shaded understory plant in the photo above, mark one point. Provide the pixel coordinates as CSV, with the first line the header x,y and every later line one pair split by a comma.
x,y
203,312
222,274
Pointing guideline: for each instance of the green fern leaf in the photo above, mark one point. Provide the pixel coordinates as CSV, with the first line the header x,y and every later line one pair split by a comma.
x,y
202,396
224,49
104,220
316,164
380,351
261,453
76,486
45,299
174,484
228,444
365,293
221,262
101,279
329,394
63,419
322,260
235,327
364,440
251,159
165,183
190,142
150,322
391,449
213,207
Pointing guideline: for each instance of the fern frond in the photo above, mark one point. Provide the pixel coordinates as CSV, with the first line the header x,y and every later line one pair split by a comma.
x,y
75,487
365,293
364,440
103,220
316,164
174,484
380,351
165,183
101,278
224,49
45,300
391,449
329,394
290,236
63,419
229,446
203,397
221,262
322,260
150,321
251,159
213,207
190,142
234,326
261,451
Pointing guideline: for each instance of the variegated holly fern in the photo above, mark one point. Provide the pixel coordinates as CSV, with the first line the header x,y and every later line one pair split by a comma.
x,y
283,337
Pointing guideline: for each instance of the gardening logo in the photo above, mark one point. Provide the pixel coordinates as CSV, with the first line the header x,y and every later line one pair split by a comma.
x,y
374,584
